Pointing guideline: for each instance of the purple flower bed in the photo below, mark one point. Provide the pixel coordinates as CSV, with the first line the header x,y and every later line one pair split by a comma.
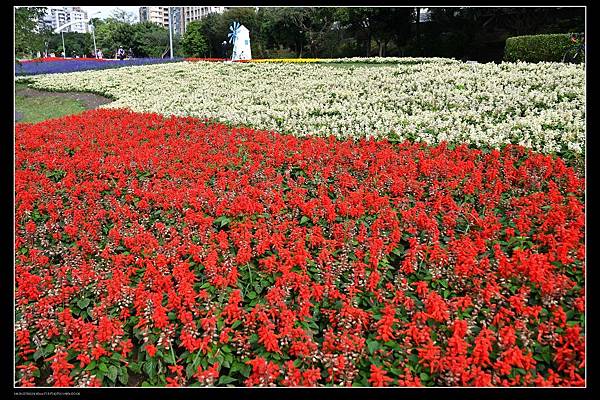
x,y
73,65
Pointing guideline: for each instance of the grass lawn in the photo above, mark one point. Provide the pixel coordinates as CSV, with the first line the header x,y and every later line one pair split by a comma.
x,y
40,108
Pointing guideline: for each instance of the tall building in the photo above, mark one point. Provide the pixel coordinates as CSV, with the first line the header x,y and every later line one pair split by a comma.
x,y
76,14
58,16
156,14
182,16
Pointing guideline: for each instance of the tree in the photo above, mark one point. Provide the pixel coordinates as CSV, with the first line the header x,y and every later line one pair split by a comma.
x,y
123,16
112,33
44,36
315,22
193,42
76,43
149,39
26,22
385,23
212,31
280,30
360,21
405,17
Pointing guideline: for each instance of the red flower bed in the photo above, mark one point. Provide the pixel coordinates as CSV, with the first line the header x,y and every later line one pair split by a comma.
x,y
170,251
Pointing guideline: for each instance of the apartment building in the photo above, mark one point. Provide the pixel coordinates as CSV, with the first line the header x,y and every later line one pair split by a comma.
x,y
77,15
181,15
58,16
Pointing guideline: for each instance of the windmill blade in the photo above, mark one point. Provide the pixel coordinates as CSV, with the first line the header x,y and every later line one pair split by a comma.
x,y
234,27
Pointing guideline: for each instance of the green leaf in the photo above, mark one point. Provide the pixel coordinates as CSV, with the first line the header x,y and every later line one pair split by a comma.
x,y
222,221
304,220
245,370
83,303
252,295
546,354
150,368
123,376
112,373
49,349
373,345
90,366
190,370
398,250
224,380
38,354
135,367
103,367
424,376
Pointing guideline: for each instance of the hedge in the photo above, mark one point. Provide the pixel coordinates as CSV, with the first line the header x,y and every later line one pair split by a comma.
x,y
536,48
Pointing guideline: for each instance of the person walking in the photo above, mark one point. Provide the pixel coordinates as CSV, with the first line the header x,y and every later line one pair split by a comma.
x,y
224,46
121,53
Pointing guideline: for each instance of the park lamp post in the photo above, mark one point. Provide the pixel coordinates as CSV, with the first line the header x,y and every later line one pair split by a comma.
x,y
63,42
94,36
62,27
170,33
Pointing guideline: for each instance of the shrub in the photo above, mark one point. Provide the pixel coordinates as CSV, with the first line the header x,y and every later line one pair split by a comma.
x,y
536,48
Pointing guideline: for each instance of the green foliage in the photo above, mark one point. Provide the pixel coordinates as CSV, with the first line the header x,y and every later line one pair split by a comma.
x,y
536,48
76,43
473,33
112,33
26,19
148,39
194,43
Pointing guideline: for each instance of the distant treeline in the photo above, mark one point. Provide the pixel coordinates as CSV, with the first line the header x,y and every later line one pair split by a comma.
x,y
475,33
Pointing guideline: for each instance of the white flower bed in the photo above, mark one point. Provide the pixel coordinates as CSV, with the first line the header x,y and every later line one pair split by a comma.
x,y
541,106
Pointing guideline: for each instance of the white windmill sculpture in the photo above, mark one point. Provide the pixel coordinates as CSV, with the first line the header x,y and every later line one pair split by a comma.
x,y
239,35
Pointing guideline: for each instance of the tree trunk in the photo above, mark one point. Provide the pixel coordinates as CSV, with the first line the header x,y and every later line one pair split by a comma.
x,y
368,44
380,51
